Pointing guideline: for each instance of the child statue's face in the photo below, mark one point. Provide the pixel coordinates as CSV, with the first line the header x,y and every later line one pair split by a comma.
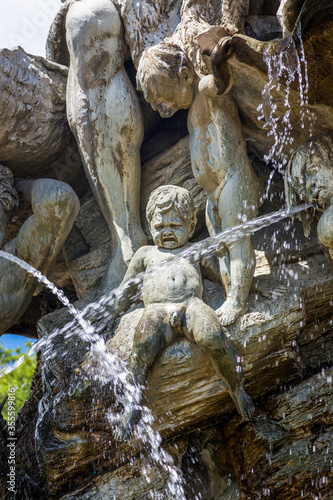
x,y
317,183
169,230
175,94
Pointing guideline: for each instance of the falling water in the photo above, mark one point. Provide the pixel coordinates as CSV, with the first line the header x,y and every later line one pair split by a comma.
x,y
111,372
110,369
283,69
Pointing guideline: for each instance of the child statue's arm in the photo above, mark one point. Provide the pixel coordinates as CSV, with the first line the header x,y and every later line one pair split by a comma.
x,y
128,290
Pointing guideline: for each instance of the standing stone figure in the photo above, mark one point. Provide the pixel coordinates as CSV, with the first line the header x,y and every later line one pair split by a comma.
x,y
309,177
105,117
219,158
172,294
41,237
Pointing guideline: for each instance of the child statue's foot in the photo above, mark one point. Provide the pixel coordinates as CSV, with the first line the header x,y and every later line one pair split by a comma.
x,y
230,311
126,425
244,404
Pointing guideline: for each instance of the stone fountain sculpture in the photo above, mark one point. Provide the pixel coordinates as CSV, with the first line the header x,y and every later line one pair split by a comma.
x,y
39,240
284,338
218,152
309,178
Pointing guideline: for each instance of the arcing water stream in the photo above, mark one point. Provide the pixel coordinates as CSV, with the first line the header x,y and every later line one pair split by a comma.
x,y
111,372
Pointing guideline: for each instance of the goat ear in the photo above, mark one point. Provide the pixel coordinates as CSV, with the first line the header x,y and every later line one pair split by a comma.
x,y
186,74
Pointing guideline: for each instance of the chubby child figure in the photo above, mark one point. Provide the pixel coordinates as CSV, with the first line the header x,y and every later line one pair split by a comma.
x,y
172,294
219,159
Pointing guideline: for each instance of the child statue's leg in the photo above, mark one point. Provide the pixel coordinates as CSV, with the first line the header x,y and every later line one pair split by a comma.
x,y
236,205
214,223
149,340
203,324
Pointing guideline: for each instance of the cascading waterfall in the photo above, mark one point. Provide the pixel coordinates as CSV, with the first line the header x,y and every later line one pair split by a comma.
x,y
283,69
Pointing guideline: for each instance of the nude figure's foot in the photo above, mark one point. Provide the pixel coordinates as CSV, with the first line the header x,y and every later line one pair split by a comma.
x,y
126,425
230,311
244,404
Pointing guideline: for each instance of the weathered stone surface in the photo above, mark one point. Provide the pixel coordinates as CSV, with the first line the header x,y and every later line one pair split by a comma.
x,y
172,167
34,129
183,381
202,473
249,74
133,479
288,449
286,335
88,248
264,27
55,206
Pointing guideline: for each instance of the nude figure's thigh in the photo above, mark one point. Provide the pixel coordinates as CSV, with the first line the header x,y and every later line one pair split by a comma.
x,y
238,202
95,41
152,333
202,325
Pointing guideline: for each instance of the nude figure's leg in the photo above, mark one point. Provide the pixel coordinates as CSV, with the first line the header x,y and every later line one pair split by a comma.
x,y
105,116
40,239
213,223
221,166
241,252
149,340
203,324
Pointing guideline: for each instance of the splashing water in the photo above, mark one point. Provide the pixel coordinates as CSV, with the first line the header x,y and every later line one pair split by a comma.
x,y
283,69
58,293
111,372
110,369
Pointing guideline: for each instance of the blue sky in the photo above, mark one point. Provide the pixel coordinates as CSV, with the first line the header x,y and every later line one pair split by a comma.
x,y
26,23
14,341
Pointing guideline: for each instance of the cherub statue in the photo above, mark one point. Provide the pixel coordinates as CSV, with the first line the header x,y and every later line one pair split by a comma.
x,y
309,178
172,295
41,237
219,158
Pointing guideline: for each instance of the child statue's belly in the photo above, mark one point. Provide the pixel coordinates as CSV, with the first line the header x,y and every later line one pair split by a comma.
x,y
178,281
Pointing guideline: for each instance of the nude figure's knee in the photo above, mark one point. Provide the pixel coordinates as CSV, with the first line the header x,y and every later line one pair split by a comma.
x,y
203,324
88,19
55,199
148,337
212,340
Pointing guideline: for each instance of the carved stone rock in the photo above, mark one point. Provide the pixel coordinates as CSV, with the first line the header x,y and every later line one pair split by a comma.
x,y
271,339
34,129
288,446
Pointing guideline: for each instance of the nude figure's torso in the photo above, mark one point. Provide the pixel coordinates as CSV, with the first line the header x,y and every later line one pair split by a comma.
x,y
218,148
176,280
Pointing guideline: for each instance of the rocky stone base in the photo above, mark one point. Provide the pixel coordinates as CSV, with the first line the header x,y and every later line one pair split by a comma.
x,y
284,452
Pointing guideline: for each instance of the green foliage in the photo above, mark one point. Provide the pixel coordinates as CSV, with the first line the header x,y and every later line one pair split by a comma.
x,y
20,378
